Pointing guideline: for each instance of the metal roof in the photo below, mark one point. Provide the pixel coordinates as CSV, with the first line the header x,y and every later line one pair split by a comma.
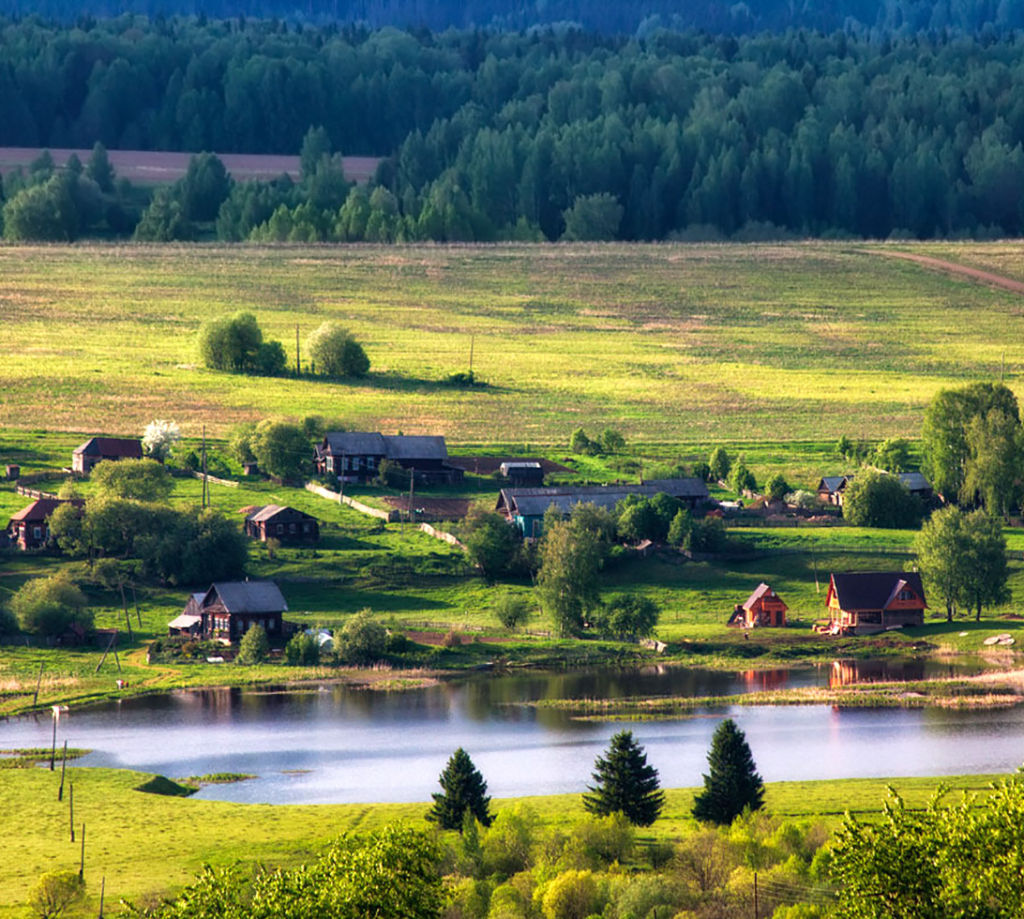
x,y
533,502
247,597
111,446
505,468
184,621
873,590
40,510
914,481
415,447
270,511
833,483
761,590
353,443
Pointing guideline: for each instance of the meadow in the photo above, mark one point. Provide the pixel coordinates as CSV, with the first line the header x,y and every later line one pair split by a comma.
x,y
673,344
148,845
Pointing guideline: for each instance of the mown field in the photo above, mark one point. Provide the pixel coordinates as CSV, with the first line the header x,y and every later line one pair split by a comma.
x,y
148,845
678,344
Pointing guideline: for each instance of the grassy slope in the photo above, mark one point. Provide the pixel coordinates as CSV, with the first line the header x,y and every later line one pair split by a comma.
x,y
672,343
148,844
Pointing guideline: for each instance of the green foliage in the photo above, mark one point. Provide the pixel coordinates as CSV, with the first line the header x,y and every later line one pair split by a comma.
x,y
628,617
741,479
624,783
942,552
159,438
570,558
985,569
573,895
280,449
490,541
892,454
509,841
270,359
995,464
702,471
334,352
776,487
99,169
707,535
230,342
316,147
581,444
302,650
681,527
512,610
845,447
55,893
731,784
203,188
720,463
876,499
363,639
140,480
464,792
164,220
240,443
8,623
50,606
254,647
612,441
593,217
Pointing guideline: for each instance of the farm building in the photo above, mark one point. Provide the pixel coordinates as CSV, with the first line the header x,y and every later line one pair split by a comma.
x,y
863,602
97,449
356,457
764,607
229,609
523,474
917,484
30,528
832,487
525,507
282,523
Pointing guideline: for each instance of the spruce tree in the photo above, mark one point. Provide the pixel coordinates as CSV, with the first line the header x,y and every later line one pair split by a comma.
x,y
732,782
625,783
464,789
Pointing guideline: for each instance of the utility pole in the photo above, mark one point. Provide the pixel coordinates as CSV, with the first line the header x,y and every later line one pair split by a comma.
x,y
755,896
412,483
472,340
205,485
297,370
53,748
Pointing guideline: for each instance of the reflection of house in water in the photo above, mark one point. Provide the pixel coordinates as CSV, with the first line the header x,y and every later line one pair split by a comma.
x,y
764,680
846,673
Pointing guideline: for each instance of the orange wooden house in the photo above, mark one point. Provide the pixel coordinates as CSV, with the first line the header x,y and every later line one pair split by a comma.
x,y
764,607
863,602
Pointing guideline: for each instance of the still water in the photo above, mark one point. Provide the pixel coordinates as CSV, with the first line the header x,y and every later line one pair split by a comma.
x,y
337,744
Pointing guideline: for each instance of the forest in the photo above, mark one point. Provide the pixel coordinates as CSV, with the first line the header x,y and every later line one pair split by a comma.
x,y
544,134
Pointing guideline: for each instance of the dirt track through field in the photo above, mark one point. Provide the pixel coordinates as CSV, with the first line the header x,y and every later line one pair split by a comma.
x,y
937,264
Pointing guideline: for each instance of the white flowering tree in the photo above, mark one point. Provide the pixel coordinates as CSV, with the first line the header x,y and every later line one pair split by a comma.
x,y
159,439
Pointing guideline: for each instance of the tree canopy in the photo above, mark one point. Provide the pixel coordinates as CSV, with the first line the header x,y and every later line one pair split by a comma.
x,y
570,558
625,783
732,783
49,606
877,499
463,790
334,351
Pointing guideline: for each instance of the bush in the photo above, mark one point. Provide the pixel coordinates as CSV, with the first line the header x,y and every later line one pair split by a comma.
x,y
303,650
235,343
512,610
776,487
628,617
702,471
720,464
363,639
50,606
334,352
55,893
280,448
875,499
741,479
254,647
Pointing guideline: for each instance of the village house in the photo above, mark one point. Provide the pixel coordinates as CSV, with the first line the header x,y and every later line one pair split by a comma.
x,y
97,449
525,507
30,527
523,474
863,602
832,487
764,607
285,524
352,456
229,609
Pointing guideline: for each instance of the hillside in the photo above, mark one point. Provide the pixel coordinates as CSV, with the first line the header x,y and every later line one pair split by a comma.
x,y
672,344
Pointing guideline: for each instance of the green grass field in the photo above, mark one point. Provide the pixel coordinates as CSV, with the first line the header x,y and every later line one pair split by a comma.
x,y
146,845
674,344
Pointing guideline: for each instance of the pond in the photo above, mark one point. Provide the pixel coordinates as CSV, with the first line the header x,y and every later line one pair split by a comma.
x,y
333,743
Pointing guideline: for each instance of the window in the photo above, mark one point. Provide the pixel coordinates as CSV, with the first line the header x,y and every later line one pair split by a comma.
x,y
305,528
280,529
291,528
37,532
330,464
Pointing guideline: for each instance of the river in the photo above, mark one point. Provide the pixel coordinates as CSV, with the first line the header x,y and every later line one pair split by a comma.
x,y
333,743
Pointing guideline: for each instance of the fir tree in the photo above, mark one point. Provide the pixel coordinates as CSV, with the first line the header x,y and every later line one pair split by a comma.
x,y
732,782
254,647
625,783
464,789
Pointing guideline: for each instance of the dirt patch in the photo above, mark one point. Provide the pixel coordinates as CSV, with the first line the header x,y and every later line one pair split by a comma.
x,y
433,508
937,264
436,639
489,465
155,167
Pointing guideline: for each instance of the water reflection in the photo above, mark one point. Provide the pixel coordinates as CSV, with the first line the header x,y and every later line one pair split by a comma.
x,y
334,743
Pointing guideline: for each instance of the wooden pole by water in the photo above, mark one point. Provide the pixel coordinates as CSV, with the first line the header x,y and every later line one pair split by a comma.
x,y
63,762
71,809
53,746
81,863
39,682
298,370
103,890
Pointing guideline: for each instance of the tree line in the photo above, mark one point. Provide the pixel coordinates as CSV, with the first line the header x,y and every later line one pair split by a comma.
x,y
546,134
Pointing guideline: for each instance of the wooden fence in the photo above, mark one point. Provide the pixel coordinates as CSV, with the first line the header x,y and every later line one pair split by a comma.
x,y
32,493
215,480
389,516
440,534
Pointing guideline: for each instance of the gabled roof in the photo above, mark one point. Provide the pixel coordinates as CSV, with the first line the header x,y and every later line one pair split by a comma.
x,y
246,597
511,466
270,511
874,590
762,590
679,488
111,446
914,481
353,443
184,621
833,483
40,510
533,502
414,447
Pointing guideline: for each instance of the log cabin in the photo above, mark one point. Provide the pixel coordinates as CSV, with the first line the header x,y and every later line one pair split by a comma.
x,y
229,609
764,607
285,524
97,449
352,456
863,602
30,527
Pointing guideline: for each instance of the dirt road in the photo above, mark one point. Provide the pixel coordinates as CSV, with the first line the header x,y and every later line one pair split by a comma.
x,y
961,271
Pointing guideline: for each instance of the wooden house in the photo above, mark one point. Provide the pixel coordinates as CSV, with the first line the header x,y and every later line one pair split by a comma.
x,y
764,607
863,602
523,474
30,527
352,456
831,487
917,485
190,621
525,507
97,449
229,609
282,523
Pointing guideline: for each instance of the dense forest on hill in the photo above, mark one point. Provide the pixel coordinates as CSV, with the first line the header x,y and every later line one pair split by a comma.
x,y
544,134
720,16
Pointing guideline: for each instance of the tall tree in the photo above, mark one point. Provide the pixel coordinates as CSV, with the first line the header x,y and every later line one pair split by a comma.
x,y
570,558
985,571
877,499
732,783
463,790
942,553
995,444
624,783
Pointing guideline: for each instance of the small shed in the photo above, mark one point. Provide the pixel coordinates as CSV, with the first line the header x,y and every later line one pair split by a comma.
x,y
99,449
523,474
13,472
764,607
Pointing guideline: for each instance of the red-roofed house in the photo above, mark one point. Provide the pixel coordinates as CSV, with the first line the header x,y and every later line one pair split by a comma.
x,y
29,528
764,607
97,449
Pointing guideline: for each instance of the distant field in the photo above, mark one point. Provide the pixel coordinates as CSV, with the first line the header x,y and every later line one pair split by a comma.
x,y
151,167
673,344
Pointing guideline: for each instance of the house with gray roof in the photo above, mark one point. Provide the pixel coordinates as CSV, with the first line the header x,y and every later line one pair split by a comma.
x,y
285,524
352,456
862,602
230,608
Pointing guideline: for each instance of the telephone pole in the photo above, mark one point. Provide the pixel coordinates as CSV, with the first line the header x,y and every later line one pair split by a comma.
x,y
297,370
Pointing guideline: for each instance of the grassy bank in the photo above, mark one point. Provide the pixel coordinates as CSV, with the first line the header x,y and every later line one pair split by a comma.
x,y
146,845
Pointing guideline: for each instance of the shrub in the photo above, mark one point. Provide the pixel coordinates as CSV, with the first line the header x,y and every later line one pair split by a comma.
x,y
50,606
334,352
512,610
55,893
720,464
254,647
875,499
363,639
741,479
303,650
776,487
